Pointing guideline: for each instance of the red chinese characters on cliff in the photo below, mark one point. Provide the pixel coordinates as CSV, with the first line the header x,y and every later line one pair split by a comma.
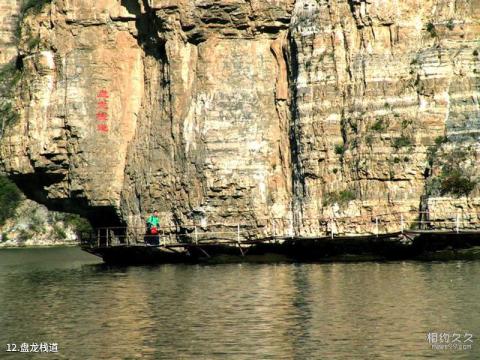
x,y
102,108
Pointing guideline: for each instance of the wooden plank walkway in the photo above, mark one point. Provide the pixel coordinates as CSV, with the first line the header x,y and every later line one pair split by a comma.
x,y
244,235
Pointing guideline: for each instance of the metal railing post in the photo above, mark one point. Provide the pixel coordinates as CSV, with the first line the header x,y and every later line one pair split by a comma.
x,y
402,226
457,223
238,232
274,232
376,226
331,229
196,235
291,230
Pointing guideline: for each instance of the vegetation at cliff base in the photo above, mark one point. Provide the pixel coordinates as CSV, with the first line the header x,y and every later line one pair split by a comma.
x,y
59,232
78,223
10,197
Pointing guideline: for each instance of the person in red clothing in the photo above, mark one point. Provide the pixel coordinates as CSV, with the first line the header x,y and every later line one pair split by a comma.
x,y
153,228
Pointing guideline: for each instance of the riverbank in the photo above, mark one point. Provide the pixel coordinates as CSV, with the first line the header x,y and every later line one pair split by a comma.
x,y
32,225
6,246
24,222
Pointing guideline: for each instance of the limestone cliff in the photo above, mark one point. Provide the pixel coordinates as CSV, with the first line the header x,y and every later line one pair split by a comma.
x,y
33,225
246,111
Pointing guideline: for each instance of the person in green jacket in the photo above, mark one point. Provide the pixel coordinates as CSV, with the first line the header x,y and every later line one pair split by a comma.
x,y
153,225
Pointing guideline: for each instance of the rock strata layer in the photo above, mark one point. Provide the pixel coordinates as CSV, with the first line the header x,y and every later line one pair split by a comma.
x,y
290,116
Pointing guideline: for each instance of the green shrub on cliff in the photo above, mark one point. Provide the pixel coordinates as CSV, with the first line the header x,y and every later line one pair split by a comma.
x,y
340,149
433,149
455,178
432,30
402,141
9,79
33,5
379,125
8,115
9,76
33,42
456,183
10,197
450,24
341,197
28,6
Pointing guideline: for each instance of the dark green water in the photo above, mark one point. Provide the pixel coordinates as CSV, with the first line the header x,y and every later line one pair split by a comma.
x,y
240,311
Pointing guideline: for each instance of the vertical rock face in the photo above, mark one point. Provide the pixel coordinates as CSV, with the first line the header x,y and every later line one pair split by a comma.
x,y
9,10
377,82
239,111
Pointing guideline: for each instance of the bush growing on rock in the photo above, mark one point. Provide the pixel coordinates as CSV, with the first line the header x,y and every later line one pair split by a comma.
x,y
10,197
59,232
341,197
431,29
79,224
339,149
402,141
456,183
455,177
379,125
34,5
450,24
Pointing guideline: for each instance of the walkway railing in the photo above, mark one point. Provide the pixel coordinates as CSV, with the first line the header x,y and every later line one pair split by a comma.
x,y
268,229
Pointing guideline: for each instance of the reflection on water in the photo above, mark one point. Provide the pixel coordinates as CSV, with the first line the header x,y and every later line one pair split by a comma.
x,y
241,311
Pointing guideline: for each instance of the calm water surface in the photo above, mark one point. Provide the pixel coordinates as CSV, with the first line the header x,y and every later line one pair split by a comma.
x,y
239,311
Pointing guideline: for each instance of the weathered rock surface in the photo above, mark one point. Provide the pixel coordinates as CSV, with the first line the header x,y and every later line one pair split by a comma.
x,y
9,11
34,225
238,111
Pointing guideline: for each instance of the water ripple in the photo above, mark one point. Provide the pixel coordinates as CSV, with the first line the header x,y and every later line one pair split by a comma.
x,y
241,311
